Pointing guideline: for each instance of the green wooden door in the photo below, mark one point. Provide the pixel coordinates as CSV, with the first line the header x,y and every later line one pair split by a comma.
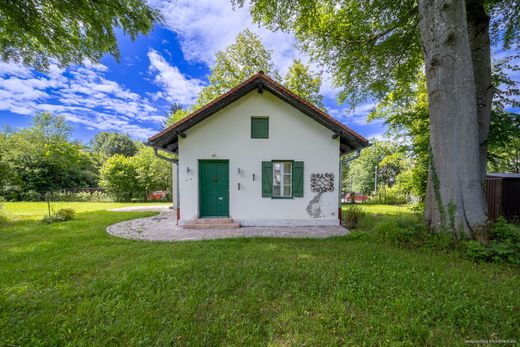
x,y
214,188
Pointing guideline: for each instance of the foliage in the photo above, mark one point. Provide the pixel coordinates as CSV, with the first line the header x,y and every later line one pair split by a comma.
x,y
391,160
241,60
351,216
134,178
106,144
77,278
42,158
407,229
302,82
372,48
61,215
504,142
36,32
120,178
175,114
406,114
504,245
153,173
237,62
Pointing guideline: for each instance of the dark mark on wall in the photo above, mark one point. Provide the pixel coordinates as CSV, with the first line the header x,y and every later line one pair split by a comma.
x,y
314,208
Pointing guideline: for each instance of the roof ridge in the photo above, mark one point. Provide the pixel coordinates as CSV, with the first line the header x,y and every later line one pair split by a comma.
x,y
275,85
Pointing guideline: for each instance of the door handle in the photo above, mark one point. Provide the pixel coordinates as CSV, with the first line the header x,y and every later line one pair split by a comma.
x,y
220,198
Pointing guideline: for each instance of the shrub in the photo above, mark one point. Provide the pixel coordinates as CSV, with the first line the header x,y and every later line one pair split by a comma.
x,y
61,215
352,216
503,247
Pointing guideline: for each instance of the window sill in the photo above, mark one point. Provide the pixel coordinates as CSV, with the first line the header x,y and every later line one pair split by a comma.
x,y
282,197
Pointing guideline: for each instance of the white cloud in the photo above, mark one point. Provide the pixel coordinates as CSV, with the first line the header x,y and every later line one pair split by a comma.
x,y
176,86
82,95
206,26
357,115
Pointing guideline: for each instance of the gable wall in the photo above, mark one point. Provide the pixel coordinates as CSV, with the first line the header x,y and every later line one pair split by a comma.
x,y
292,136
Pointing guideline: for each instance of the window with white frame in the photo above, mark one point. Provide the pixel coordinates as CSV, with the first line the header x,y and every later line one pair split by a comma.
x,y
282,179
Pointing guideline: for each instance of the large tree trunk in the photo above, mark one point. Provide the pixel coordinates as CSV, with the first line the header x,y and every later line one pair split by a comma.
x,y
478,32
455,198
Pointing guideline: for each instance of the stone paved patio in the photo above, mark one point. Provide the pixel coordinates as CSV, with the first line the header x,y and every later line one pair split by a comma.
x,y
162,228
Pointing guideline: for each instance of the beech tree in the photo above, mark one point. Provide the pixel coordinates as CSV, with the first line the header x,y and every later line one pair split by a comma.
x,y
377,47
241,60
237,62
303,82
34,32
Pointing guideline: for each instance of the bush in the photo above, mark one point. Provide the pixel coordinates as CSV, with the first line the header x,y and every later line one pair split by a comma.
x,y
61,215
503,247
352,216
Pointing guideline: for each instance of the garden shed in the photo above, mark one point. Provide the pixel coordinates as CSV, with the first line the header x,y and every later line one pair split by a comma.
x,y
503,195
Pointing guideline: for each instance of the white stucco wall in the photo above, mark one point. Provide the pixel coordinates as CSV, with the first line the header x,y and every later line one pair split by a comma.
x,y
292,136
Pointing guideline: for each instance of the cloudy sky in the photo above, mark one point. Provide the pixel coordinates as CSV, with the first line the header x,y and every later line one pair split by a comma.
x,y
171,64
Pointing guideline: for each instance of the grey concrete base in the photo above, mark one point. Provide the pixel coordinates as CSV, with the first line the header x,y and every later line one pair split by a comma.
x,y
163,228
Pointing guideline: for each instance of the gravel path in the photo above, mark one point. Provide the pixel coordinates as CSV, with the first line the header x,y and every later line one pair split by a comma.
x,y
162,228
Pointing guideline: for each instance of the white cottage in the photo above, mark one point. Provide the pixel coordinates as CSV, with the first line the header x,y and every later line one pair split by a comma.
x,y
260,156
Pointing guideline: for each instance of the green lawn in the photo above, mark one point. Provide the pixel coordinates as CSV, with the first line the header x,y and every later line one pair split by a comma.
x,y
36,210
71,283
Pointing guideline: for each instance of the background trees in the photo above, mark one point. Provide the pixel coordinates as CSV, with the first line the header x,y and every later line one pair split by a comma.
x,y
107,144
303,82
42,158
241,60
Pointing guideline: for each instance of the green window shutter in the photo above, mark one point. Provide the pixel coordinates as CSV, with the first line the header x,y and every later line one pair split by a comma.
x,y
267,179
297,179
259,128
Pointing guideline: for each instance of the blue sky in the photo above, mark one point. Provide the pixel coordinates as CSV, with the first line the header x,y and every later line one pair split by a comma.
x,y
171,64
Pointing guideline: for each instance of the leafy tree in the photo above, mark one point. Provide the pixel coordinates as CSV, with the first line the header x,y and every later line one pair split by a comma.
x,y
35,32
153,173
174,114
406,115
302,82
129,178
504,142
237,62
106,144
377,47
42,158
390,159
120,177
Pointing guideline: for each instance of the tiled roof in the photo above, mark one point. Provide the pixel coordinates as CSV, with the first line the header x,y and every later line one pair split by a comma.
x,y
259,80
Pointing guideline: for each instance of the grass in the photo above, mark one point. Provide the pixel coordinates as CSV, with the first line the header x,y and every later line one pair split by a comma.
x,y
36,210
73,284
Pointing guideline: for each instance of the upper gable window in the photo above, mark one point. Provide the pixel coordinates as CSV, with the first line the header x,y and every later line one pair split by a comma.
x,y
259,127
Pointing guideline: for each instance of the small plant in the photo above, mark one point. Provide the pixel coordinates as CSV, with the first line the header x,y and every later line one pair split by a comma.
x,y
352,215
61,215
503,247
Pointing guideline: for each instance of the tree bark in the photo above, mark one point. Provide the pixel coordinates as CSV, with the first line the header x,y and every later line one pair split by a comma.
x,y
455,199
478,32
